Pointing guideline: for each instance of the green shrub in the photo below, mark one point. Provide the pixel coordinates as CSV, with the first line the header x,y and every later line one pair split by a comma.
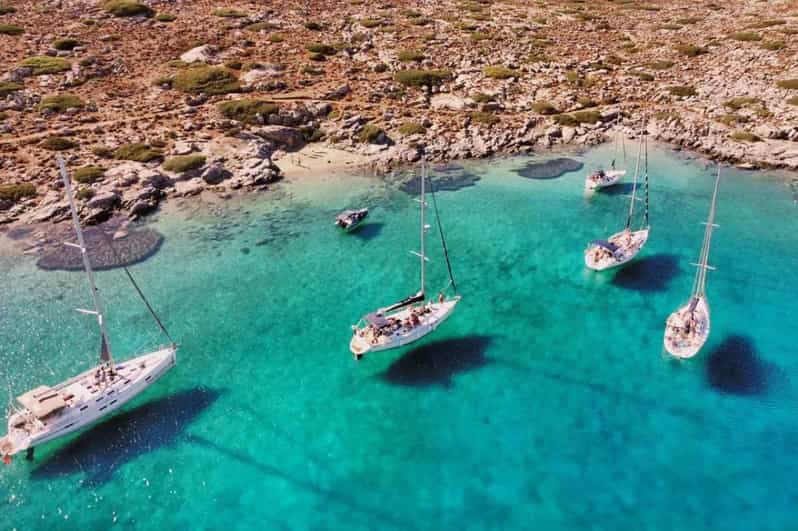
x,y
370,133
276,37
500,72
320,48
84,194
762,24
7,87
479,36
127,8
369,23
744,136
683,91
745,36
420,21
207,80
11,29
481,97
58,143
138,152
5,10
418,78
544,108
789,84
773,45
732,119
15,192
409,13
313,56
166,17
228,12
793,100
669,26
410,55
66,44
88,174
177,63
311,71
380,68
312,26
46,65
163,81
183,163
412,128
689,50
260,26
565,119
248,111
233,64
736,104
484,118
659,65
586,117
61,102
689,20
645,76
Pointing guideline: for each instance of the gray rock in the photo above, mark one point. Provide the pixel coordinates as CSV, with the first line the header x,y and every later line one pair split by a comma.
x,y
190,187
337,94
155,179
104,201
215,174
202,54
282,136
568,134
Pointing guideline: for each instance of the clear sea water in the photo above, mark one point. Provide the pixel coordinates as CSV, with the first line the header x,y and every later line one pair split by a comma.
x,y
544,402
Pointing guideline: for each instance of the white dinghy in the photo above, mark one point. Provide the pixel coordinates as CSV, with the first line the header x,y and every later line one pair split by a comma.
x,y
49,412
603,178
687,329
622,246
414,317
349,219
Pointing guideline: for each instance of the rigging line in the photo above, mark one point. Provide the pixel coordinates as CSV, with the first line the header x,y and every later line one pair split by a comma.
x,y
443,239
634,187
138,290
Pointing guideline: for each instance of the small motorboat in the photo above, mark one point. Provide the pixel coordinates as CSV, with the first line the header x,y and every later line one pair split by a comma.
x,y
349,219
602,179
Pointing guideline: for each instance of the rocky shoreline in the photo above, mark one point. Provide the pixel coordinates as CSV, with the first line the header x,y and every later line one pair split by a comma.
x,y
142,116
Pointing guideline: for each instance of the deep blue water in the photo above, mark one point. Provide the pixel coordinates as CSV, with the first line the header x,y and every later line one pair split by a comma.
x,y
544,402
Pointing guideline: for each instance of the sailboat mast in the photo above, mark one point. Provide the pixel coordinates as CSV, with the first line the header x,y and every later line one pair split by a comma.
x,y
646,180
105,349
634,187
423,221
703,261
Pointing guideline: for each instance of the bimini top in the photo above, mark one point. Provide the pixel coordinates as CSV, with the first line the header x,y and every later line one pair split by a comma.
x,y
611,247
345,214
42,401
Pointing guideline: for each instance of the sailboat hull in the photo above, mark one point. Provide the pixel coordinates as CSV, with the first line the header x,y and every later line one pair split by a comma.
x,y
364,340
610,178
685,334
89,397
629,243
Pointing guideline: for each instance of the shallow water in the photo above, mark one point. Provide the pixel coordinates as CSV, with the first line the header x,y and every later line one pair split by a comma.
x,y
545,400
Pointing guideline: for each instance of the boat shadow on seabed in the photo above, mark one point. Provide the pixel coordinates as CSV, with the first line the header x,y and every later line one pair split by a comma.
x,y
436,362
734,367
101,450
648,274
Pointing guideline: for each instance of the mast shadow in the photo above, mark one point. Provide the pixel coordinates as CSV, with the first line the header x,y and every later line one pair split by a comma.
x,y
436,362
648,274
351,502
100,451
368,231
734,367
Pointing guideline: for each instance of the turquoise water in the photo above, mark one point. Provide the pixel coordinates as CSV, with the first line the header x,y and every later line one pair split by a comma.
x,y
544,402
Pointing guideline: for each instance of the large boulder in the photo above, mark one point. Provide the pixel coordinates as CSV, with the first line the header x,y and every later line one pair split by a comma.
x,y
201,54
104,201
282,136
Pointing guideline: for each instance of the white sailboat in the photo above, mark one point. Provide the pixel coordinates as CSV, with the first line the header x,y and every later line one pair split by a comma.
x,y
603,178
48,412
687,329
409,319
622,246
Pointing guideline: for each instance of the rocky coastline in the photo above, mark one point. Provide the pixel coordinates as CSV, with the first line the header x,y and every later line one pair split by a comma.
x,y
141,117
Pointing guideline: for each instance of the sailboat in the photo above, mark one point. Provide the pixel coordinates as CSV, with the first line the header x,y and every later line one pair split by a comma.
x,y
622,246
414,317
687,329
603,178
48,412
